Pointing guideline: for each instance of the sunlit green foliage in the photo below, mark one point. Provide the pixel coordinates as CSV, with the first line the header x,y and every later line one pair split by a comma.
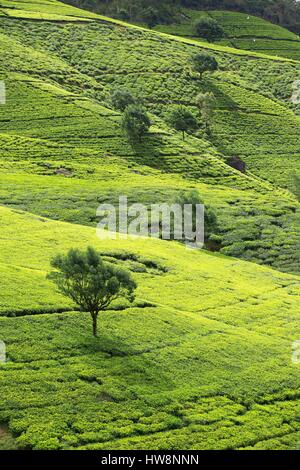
x,y
202,360
203,367
258,222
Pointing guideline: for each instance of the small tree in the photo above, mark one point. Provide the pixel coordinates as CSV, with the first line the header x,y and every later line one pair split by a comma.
x,y
121,98
209,29
124,14
135,122
193,198
203,62
90,282
206,103
150,17
182,119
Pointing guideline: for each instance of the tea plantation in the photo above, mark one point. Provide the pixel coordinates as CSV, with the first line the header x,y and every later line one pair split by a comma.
x,y
198,366
241,31
203,358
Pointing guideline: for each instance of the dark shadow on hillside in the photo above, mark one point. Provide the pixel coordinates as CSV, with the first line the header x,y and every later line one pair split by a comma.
x,y
7,441
224,101
147,151
131,363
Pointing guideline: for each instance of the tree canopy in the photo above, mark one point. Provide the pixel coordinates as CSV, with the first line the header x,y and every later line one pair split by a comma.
x,y
182,119
209,29
90,282
203,62
121,98
135,122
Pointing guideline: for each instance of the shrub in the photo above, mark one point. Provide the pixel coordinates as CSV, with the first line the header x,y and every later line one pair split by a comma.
x,y
135,122
209,29
121,98
203,62
182,119
296,185
123,14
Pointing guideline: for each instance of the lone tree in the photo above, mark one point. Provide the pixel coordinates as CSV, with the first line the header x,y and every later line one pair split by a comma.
x,y
90,282
203,62
182,119
121,98
135,122
151,17
209,29
192,198
206,103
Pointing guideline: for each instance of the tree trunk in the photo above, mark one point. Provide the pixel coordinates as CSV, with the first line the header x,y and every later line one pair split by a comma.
x,y
183,135
94,318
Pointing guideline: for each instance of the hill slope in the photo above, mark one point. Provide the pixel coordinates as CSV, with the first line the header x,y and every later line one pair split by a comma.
x,y
248,123
242,31
176,374
203,358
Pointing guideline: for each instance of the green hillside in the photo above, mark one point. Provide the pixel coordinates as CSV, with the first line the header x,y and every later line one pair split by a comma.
x,y
174,375
242,31
202,360
249,123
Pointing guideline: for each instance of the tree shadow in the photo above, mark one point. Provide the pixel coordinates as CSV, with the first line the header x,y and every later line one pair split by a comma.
x,y
132,365
148,151
224,102
209,86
